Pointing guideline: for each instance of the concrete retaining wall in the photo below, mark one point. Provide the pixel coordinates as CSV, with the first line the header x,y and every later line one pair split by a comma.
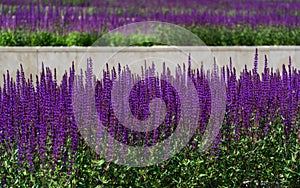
x,y
61,57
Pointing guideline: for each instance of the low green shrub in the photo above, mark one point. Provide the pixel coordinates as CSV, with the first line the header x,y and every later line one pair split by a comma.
x,y
211,36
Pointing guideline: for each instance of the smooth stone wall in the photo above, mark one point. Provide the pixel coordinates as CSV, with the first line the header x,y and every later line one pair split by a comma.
x,y
61,58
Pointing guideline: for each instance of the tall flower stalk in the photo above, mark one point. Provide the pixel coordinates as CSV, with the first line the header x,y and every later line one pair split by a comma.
x,y
38,119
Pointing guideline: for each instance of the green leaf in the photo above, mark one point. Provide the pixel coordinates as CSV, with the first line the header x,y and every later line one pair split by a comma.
x,y
202,175
100,162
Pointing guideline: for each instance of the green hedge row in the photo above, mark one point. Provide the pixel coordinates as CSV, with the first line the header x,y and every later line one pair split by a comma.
x,y
246,36
211,36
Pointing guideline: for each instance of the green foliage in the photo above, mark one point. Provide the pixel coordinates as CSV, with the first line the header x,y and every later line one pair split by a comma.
x,y
211,36
247,36
251,161
80,39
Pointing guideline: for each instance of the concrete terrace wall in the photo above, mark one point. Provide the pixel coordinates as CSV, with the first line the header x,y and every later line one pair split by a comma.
x,y
61,58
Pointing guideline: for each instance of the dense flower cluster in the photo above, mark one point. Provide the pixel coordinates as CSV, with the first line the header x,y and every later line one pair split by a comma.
x,y
37,117
99,16
258,103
